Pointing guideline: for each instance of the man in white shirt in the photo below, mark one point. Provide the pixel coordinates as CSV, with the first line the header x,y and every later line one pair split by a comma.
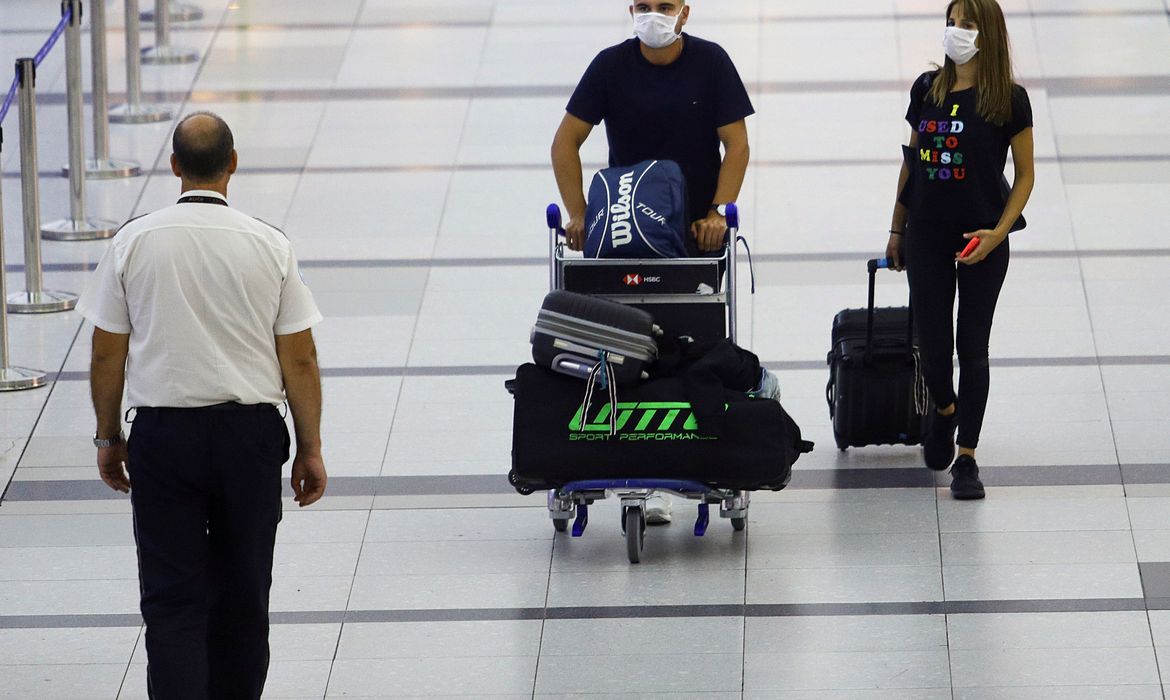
x,y
201,312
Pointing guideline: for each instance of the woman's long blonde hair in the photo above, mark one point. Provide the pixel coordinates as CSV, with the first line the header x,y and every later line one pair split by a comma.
x,y
995,80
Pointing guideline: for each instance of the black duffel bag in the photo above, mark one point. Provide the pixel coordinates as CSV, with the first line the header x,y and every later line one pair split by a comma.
x,y
652,435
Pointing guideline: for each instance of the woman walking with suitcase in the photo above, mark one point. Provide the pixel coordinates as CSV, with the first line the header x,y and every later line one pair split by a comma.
x,y
953,200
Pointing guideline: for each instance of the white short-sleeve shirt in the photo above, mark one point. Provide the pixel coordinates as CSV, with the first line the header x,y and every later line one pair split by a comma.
x,y
203,290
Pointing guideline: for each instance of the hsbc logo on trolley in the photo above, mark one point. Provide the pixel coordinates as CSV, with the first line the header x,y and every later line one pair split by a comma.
x,y
634,280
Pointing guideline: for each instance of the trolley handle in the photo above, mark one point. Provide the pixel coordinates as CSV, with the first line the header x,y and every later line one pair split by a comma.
x,y
556,233
553,216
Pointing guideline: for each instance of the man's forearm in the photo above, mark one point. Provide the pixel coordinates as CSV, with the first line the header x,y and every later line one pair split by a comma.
x,y
731,174
566,161
107,378
302,386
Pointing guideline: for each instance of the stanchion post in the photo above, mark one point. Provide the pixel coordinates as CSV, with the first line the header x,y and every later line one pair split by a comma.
x,y
11,378
35,299
179,12
162,53
102,167
78,227
134,112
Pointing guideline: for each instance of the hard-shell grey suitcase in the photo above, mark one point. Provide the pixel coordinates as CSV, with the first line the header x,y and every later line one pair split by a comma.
x,y
574,332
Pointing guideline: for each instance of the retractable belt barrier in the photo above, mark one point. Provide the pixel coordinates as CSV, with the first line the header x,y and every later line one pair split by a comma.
x,y
102,167
134,112
163,53
77,226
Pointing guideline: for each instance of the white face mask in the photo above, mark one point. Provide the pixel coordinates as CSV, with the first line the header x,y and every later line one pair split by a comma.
x,y
960,44
655,30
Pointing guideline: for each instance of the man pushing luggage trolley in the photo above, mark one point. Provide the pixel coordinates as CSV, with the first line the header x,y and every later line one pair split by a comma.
x,y
667,96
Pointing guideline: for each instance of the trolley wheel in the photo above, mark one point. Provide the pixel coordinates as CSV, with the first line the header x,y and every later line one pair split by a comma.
x,y
560,525
635,526
738,524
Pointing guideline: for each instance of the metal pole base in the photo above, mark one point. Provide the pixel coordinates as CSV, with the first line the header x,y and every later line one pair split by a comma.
x,y
75,230
142,114
42,302
169,55
107,169
180,12
20,378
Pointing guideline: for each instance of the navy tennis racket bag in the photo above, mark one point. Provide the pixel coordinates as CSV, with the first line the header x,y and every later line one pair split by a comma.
x,y
638,211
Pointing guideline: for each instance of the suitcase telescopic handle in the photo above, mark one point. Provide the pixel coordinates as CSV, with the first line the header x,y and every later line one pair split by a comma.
x,y
873,266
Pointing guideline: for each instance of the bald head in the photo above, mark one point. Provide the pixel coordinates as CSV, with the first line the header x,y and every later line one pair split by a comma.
x,y
204,148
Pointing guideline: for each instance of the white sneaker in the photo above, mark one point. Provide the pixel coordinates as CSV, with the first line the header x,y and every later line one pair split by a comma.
x,y
769,387
658,509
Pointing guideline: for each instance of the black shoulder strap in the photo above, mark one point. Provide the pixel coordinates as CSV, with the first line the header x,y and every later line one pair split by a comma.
x,y
928,82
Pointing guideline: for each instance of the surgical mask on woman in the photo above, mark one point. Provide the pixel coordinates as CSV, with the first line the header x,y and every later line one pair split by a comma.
x,y
655,30
960,44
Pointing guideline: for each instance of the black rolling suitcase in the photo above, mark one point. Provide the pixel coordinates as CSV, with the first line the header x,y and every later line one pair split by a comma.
x,y
573,331
876,394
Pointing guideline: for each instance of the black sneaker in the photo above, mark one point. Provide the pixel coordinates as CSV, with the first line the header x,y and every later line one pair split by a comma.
x,y
938,444
965,483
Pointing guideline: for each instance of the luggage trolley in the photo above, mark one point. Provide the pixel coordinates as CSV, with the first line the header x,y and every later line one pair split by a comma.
x,y
686,296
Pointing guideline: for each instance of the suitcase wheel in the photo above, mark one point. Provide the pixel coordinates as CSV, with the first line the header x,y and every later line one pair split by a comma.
x,y
522,490
738,524
841,444
634,525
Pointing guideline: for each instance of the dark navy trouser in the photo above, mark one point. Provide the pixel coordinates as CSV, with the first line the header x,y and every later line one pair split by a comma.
x,y
206,488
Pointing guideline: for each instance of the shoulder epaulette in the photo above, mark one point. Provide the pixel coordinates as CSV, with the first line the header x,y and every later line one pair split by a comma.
x,y
274,228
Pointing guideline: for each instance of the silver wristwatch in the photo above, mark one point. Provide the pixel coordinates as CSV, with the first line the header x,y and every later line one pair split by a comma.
x,y
109,442
720,209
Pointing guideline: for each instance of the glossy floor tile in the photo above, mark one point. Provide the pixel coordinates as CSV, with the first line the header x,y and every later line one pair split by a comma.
x,y
403,147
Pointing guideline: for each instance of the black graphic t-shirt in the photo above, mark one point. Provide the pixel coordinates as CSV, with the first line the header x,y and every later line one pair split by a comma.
x,y
665,112
957,168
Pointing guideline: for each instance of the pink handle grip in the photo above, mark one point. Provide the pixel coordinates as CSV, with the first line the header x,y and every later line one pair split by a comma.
x,y
970,247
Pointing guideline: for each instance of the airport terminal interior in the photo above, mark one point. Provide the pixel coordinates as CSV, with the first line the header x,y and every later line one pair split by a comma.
x,y
403,146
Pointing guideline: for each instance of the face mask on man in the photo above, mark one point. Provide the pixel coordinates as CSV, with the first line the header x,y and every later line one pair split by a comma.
x,y
655,30
960,44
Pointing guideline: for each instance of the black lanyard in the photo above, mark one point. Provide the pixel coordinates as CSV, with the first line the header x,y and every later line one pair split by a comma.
x,y
200,199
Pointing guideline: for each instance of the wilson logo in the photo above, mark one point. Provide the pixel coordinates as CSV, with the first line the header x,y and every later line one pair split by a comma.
x,y
645,420
619,223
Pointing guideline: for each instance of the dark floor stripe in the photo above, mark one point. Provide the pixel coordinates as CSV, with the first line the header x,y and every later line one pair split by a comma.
x,y
713,19
1119,158
633,612
1055,87
802,479
781,366
392,263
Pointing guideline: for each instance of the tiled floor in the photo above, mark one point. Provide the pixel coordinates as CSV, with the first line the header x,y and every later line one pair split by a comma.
x,y
403,146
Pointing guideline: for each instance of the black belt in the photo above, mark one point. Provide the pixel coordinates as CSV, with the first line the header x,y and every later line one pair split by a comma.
x,y
230,407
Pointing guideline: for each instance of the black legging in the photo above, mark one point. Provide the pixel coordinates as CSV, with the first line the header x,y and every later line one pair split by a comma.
x,y
934,276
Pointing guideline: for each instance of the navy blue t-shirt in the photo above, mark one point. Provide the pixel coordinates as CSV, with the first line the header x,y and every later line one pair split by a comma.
x,y
959,162
667,112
